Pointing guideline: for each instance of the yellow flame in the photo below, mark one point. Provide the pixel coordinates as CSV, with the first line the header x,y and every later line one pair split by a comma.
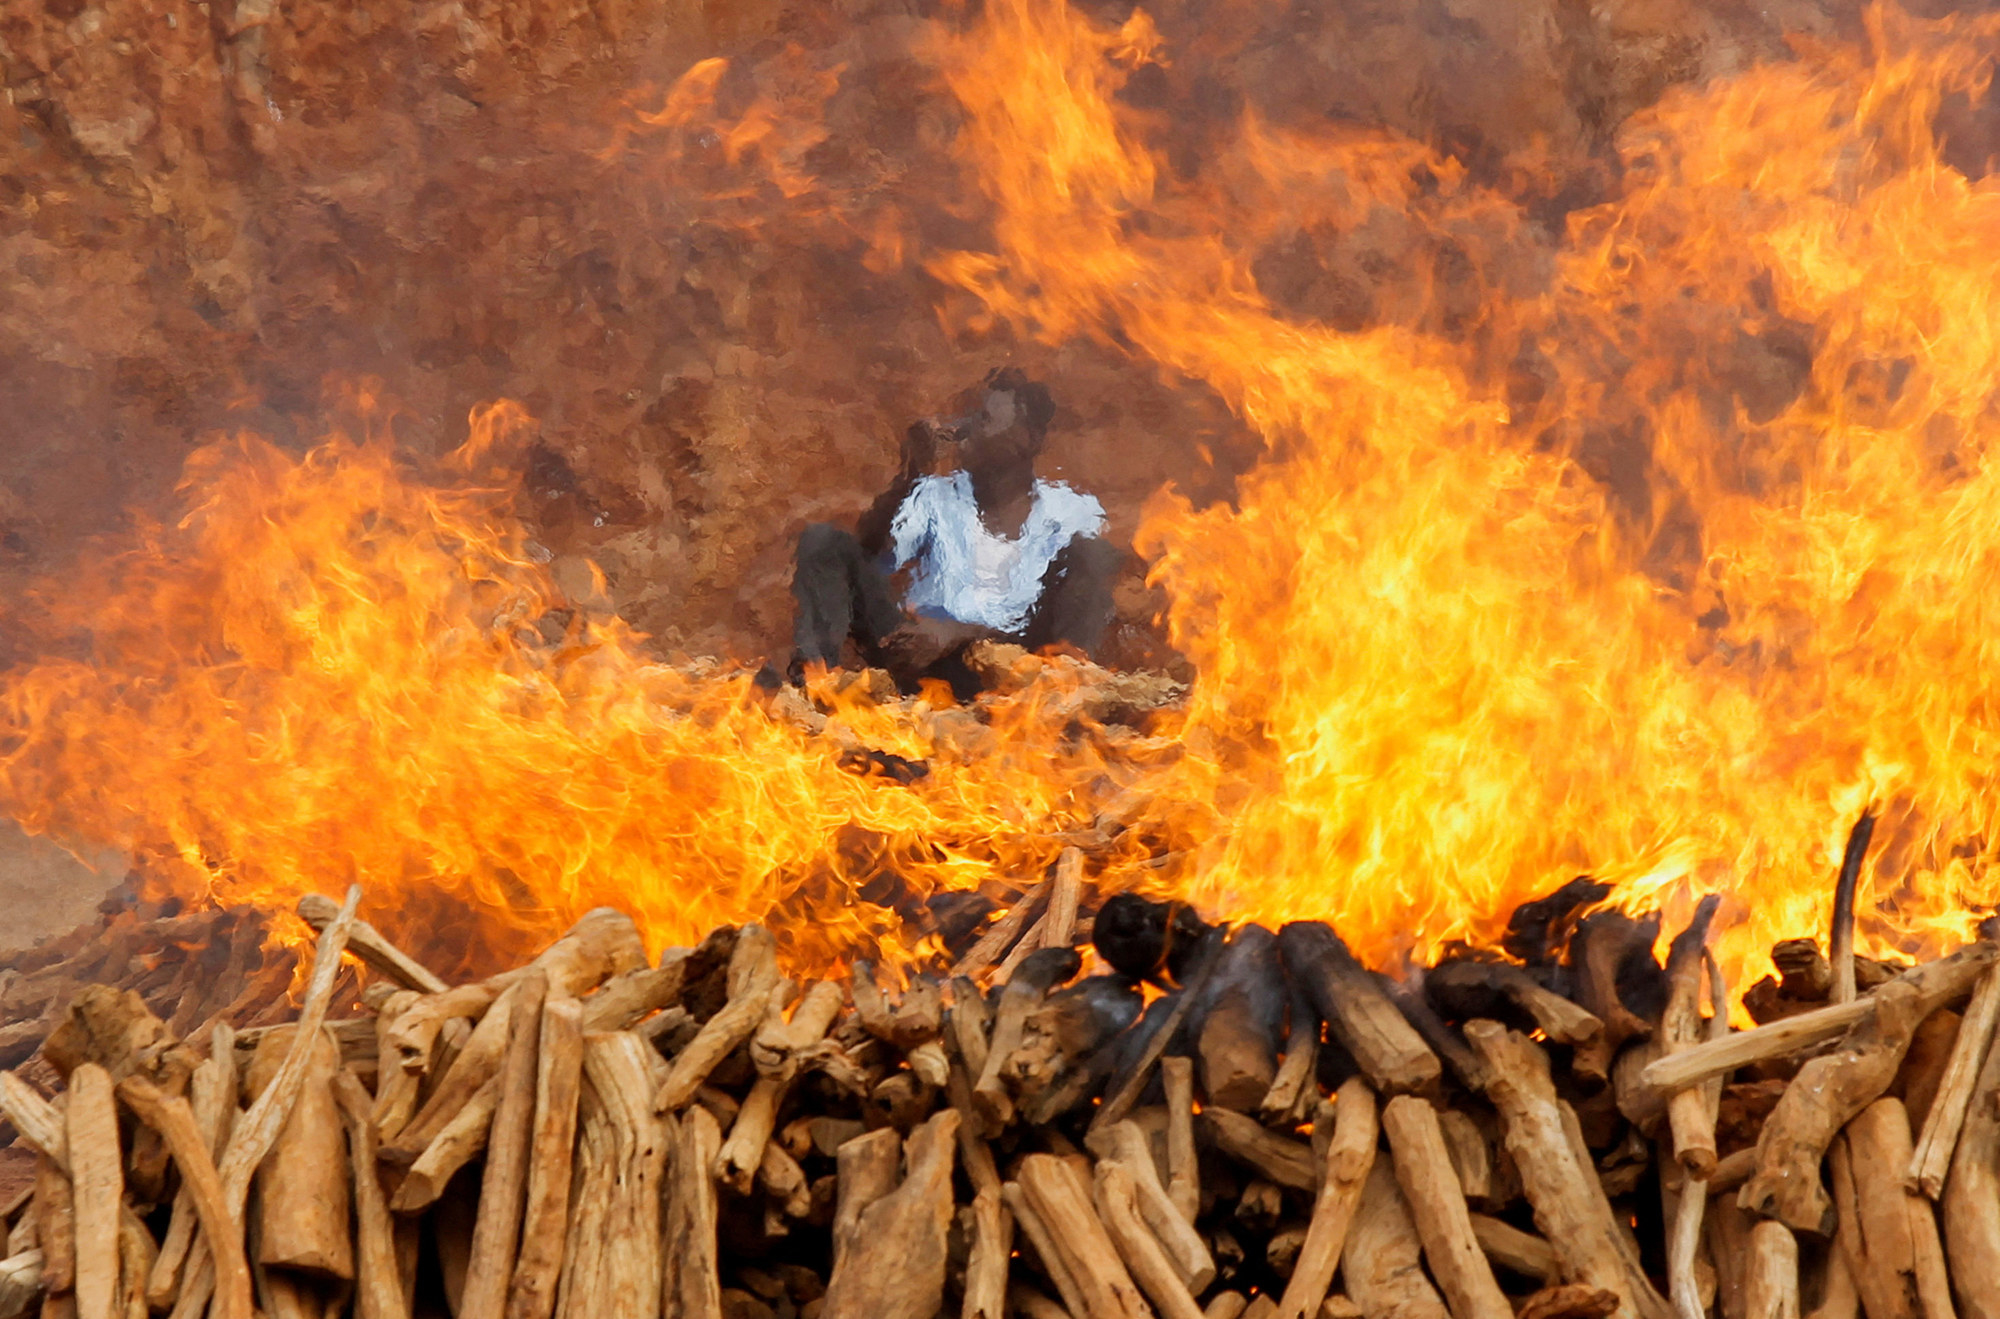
x,y
1660,558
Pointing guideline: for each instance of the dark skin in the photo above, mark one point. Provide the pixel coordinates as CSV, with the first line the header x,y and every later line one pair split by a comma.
x,y
997,451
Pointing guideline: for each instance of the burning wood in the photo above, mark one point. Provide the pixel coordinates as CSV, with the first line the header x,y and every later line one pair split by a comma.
x,y
592,1135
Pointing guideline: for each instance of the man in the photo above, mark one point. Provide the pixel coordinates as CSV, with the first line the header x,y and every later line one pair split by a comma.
x,y
982,551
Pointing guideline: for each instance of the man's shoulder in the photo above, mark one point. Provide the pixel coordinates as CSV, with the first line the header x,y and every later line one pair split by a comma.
x,y
1065,503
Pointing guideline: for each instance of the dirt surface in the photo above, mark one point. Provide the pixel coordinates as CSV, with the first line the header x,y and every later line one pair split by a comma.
x,y
44,890
714,292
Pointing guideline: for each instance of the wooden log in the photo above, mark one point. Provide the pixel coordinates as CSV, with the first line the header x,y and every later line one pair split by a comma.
x,y
1472,1159
1183,1172
1235,1021
1444,1040
1052,1259
379,1291
1840,945
1390,1053
457,1145
1937,984
221,1259
1598,952
1127,1089
1885,1245
97,1188
504,1183
1771,1282
398,1088
1567,1199
1511,1248
1727,1232
20,1282
1001,935
469,1073
968,1025
35,1119
974,1154
1828,1091
582,1291
1689,1113
778,1043
1383,1260
1294,1082
1226,1305
1283,1160
1056,1192
1839,1298
1345,1163
531,1292
784,1182
692,1284
55,1225
992,1251
631,996
743,1152
1126,1144
1437,1205
1032,1304
753,976
114,1028
1066,889
894,1268
1685,1209
1971,1228
1118,1211
1931,1159
1568,1301
212,1099
1031,981
615,1062
304,1183
252,1137
1924,1063
867,1171
368,944
1465,987
603,943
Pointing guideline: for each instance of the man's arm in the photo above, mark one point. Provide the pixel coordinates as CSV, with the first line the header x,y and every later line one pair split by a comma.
x,y
919,456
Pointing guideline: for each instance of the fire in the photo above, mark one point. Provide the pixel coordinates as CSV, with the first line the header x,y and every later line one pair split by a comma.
x,y
1659,556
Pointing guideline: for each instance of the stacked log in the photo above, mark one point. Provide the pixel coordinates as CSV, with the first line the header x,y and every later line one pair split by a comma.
x,y
1083,1109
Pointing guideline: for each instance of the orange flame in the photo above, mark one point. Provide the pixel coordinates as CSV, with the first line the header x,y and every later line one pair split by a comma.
x,y
1658,560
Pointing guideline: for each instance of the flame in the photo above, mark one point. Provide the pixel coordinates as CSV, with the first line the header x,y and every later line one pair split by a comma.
x,y
1659,557
338,668
1465,662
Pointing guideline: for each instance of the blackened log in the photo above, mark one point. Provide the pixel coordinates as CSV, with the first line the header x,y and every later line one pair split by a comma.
x,y
1142,939
1445,1040
1537,930
1153,1036
1391,1053
1086,1016
1604,958
1236,1019
1467,989
1840,943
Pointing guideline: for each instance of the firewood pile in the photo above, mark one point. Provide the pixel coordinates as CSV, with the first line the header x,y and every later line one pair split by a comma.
x,y
1105,1109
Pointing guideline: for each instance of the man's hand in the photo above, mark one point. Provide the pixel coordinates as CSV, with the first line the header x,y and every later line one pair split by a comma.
x,y
922,642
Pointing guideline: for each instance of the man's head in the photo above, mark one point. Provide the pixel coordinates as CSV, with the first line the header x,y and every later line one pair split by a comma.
x,y
1005,429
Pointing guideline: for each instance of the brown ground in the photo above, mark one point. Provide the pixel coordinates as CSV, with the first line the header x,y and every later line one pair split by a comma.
x,y
44,890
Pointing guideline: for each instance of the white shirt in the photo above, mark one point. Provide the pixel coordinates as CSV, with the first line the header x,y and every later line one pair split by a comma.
x,y
964,571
